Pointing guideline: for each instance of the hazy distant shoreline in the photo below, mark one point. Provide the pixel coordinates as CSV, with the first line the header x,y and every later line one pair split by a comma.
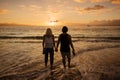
x,y
115,22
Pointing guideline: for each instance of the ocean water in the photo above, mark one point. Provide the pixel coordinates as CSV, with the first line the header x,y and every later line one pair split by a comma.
x,y
32,33
21,47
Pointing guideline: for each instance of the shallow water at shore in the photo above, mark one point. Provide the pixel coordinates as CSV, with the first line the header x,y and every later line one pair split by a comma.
x,y
25,60
97,54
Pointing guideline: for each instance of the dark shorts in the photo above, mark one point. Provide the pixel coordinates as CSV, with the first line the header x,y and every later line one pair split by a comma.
x,y
48,50
64,54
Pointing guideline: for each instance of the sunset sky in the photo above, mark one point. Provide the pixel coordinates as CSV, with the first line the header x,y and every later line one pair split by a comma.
x,y
38,12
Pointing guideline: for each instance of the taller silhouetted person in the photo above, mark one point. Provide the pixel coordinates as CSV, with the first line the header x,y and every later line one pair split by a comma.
x,y
65,40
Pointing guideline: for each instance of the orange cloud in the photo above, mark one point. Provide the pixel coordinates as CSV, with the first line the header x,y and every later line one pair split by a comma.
x,y
3,11
91,9
99,0
114,22
115,1
53,10
22,6
112,1
34,7
117,8
30,7
94,1
96,7
80,1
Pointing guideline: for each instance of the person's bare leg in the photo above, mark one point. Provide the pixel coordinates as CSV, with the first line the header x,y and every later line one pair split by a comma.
x,y
68,62
69,59
64,63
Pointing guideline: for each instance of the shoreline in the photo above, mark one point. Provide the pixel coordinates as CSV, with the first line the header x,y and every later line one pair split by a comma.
x,y
76,72
93,61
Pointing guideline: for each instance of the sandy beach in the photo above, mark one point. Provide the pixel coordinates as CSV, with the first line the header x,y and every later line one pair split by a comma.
x,y
28,26
98,60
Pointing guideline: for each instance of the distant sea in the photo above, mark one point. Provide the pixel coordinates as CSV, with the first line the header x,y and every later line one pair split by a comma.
x,y
33,34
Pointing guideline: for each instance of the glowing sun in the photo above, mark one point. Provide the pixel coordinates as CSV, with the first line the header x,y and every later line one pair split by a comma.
x,y
53,23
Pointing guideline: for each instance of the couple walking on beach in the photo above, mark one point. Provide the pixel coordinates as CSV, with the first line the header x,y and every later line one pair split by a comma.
x,y
65,42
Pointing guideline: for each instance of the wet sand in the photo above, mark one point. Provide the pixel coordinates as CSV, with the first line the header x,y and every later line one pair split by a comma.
x,y
93,61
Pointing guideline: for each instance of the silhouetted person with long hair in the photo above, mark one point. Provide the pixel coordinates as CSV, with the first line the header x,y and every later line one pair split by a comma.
x,y
48,47
66,42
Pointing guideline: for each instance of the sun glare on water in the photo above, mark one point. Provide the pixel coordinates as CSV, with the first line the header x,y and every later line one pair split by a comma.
x,y
52,23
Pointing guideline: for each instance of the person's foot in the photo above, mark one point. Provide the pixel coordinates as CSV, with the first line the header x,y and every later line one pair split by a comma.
x,y
69,66
51,67
64,70
64,67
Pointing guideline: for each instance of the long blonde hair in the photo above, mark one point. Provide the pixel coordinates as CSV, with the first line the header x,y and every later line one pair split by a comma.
x,y
48,32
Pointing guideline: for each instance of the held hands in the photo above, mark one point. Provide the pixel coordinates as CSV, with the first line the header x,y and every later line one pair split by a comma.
x,y
56,49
